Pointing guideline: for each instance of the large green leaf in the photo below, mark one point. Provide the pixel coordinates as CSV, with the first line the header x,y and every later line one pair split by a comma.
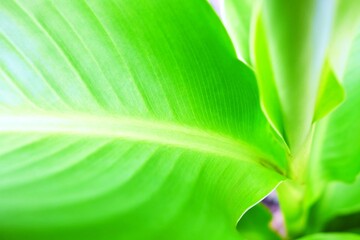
x,y
127,119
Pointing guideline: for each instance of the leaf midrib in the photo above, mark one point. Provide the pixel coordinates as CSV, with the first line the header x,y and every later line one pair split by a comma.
x,y
135,129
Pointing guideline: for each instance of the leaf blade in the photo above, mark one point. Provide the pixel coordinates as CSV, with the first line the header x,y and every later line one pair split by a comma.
x,y
107,77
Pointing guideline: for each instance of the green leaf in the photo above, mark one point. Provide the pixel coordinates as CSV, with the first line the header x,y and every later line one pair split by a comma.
x,y
255,224
269,95
237,16
331,236
336,149
344,223
332,205
346,25
335,156
298,56
330,93
127,120
294,43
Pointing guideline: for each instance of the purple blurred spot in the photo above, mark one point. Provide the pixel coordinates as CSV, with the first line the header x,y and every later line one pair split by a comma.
x,y
277,222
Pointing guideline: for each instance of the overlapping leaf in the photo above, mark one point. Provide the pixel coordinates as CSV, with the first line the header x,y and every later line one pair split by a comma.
x,y
339,200
336,147
332,185
289,45
237,17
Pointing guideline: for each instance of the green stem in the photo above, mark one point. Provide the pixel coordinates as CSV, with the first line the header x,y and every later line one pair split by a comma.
x,y
291,197
292,193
